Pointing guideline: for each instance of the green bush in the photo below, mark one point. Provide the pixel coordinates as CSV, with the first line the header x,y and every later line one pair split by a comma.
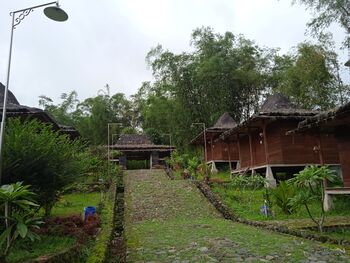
x,y
282,196
310,185
137,164
247,182
43,158
193,166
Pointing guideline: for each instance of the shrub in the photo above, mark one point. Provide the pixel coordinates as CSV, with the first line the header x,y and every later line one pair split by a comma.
x,y
247,182
41,157
72,226
137,164
193,166
282,196
310,185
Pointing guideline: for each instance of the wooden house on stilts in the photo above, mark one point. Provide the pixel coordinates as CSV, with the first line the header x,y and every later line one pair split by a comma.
x,y
218,153
333,123
264,147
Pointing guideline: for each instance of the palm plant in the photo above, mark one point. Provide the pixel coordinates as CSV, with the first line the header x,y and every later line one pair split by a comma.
x,y
17,200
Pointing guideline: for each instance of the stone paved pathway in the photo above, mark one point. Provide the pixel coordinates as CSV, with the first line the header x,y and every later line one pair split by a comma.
x,y
170,221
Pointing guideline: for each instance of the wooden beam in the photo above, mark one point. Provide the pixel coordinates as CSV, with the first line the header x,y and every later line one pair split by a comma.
x,y
266,147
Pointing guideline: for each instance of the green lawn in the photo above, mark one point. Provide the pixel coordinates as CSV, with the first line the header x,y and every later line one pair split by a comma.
x,y
25,250
172,221
74,203
247,203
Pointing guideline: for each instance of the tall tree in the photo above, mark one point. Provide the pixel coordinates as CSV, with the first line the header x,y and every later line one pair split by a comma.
x,y
327,12
310,76
223,73
91,116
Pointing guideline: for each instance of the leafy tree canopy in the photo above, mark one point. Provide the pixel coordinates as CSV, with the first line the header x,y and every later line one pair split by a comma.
x,y
326,12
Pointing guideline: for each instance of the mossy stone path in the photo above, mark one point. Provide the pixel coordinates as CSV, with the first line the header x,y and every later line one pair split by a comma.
x,y
170,221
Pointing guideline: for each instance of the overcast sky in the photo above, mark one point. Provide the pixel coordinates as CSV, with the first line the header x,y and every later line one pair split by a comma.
x,y
106,41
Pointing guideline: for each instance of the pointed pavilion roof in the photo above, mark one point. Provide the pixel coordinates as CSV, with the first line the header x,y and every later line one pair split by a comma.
x,y
225,122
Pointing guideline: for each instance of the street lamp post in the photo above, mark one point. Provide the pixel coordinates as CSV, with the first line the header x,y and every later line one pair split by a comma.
x,y
108,141
205,148
53,12
113,135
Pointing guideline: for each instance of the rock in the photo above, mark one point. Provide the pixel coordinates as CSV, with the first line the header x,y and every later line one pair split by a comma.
x,y
251,259
268,257
203,249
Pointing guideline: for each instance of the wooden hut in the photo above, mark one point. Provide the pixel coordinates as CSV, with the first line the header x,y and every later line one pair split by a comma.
x,y
219,153
265,148
14,109
140,147
333,123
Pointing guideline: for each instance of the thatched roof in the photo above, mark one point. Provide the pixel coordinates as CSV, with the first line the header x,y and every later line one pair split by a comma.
x,y
139,142
11,99
280,105
275,107
134,139
327,121
224,123
14,109
277,102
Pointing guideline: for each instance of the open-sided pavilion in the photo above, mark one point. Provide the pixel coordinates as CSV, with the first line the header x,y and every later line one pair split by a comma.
x,y
140,147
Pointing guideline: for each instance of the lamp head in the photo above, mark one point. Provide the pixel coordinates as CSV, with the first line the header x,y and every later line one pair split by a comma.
x,y
56,13
347,63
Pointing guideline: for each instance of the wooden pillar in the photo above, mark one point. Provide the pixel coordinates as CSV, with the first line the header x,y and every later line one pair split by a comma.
x,y
250,149
229,155
150,161
239,153
271,181
211,148
266,146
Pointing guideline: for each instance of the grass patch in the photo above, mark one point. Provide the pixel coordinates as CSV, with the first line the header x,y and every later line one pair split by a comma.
x,y
343,234
25,250
74,203
247,203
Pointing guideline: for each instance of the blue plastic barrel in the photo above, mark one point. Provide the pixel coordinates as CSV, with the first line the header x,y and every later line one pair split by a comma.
x,y
89,210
